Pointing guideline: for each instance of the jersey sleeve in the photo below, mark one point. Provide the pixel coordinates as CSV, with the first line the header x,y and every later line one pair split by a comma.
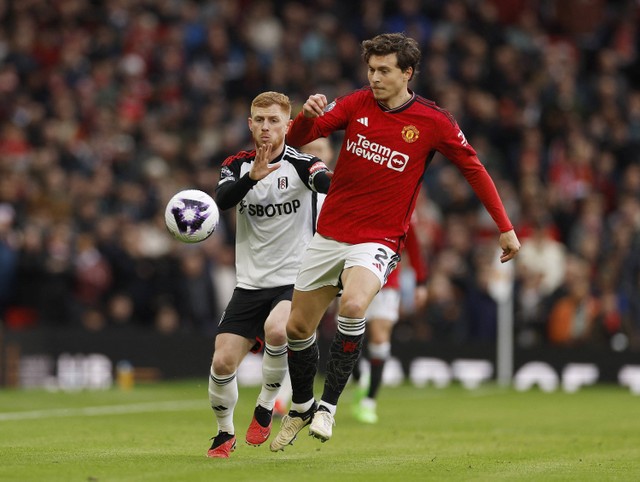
x,y
304,130
412,248
313,172
454,146
232,187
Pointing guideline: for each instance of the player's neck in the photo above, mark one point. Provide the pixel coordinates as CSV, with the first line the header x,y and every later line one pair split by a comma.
x,y
398,100
277,153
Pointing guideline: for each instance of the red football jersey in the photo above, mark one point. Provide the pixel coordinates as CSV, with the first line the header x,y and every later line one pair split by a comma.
x,y
381,165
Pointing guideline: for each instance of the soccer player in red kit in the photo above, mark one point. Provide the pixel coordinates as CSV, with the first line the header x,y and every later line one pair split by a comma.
x,y
391,135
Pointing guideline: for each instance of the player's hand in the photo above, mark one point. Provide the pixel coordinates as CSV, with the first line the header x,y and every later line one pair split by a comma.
x,y
314,106
261,167
510,245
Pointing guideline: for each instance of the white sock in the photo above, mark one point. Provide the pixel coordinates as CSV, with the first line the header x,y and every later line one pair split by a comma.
x,y
368,403
330,408
380,351
223,396
285,393
274,371
302,407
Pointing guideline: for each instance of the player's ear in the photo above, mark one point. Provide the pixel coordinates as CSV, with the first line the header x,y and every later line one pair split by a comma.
x,y
408,73
289,122
250,122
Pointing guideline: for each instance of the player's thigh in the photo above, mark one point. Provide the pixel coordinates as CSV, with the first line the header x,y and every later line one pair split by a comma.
x,y
366,268
276,323
322,264
248,311
230,349
307,310
379,259
360,286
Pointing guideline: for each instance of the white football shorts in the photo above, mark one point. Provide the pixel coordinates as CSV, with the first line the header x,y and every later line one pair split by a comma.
x,y
385,306
325,259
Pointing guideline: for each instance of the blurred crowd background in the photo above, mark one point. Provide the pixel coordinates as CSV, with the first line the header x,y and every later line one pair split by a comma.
x,y
107,108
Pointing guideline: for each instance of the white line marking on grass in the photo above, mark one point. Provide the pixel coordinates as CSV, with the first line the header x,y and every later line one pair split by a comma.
x,y
171,406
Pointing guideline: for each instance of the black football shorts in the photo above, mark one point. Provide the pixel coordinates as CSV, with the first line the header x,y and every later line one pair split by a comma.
x,y
248,310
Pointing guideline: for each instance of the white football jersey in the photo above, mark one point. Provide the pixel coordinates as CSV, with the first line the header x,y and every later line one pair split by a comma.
x,y
276,218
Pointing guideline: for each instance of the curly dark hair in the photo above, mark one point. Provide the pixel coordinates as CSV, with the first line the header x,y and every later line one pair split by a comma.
x,y
405,48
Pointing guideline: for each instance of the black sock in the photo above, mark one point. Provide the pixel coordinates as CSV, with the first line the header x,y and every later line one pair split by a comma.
x,y
377,366
303,366
221,438
263,416
356,372
343,356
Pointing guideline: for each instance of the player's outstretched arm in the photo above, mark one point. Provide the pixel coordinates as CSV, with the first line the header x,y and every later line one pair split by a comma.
x,y
231,190
510,245
261,167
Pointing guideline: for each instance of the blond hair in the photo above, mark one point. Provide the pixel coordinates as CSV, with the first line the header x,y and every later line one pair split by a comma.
x,y
267,99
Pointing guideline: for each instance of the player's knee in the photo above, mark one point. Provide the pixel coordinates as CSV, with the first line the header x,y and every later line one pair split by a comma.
x,y
298,331
353,307
275,336
275,331
223,364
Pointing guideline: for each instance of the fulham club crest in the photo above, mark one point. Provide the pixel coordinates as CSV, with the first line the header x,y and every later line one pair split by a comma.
x,y
283,183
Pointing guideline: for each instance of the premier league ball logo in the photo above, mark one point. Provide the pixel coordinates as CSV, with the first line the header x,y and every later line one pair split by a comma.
x,y
191,216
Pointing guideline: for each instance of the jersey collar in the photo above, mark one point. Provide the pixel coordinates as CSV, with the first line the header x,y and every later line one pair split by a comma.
x,y
279,158
400,108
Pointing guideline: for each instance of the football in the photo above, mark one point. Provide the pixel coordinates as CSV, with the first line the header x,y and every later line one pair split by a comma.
x,y
191,216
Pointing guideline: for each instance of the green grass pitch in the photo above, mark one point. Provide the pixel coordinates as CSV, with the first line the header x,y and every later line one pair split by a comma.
x,y
160,432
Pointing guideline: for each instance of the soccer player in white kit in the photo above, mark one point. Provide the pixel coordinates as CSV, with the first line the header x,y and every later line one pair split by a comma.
x,y
390,137
275,189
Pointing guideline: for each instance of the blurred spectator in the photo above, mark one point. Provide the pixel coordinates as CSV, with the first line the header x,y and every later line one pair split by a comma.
x,y
120,312
410,19
540,272
623,254
26,300
195,293
572,316
92,274
481,306
57,302
445,313
8,255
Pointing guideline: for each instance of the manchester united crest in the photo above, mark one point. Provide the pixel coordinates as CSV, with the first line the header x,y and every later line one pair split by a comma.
x,y
410,134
